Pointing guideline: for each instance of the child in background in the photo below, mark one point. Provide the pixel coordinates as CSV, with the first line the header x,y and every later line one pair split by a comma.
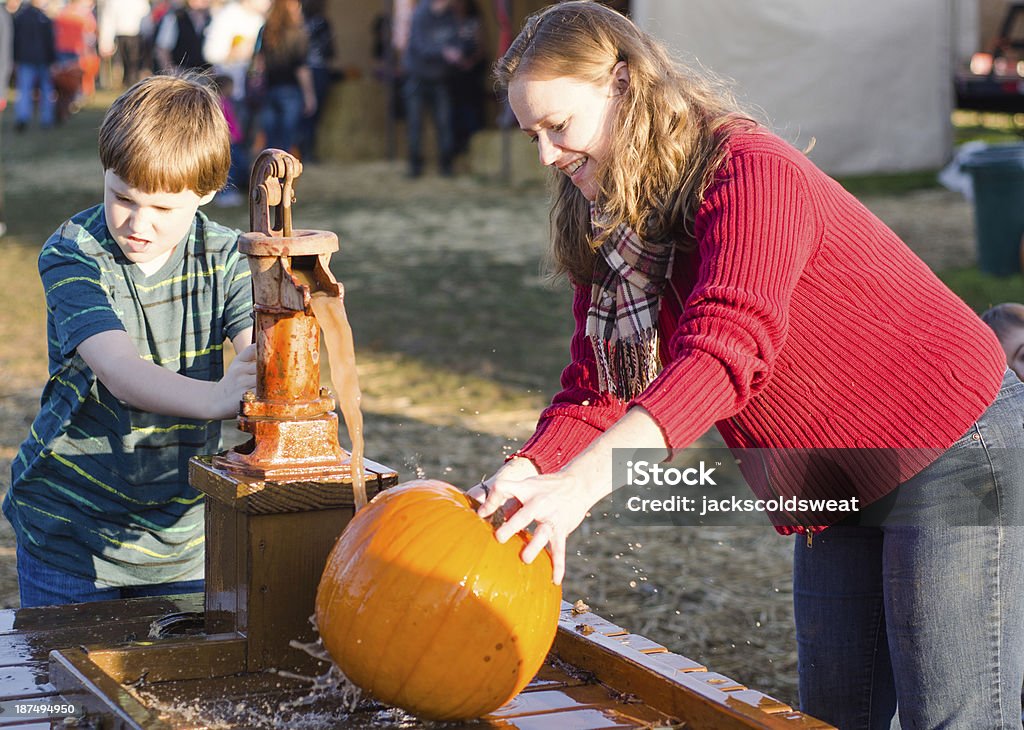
x,y
141,293
238,173
1007,321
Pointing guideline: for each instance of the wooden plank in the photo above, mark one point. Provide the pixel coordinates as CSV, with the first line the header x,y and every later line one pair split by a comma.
x,y
592,696
759,700
642,644
226,571
246,701
552,677
196,657
287,556
718,681
28,647
258,496
236,687
590,623
664,688
25,620
679,662
22,724
582,719
94,691
546,701
30,680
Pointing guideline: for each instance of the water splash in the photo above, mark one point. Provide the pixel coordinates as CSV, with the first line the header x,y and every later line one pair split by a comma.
x,y
301,702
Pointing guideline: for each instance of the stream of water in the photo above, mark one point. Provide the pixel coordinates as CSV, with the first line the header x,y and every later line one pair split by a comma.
x,y
341,358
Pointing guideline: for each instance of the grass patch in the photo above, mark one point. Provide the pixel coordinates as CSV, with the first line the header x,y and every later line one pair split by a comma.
x,y
992,127
982,291
465,314
897,183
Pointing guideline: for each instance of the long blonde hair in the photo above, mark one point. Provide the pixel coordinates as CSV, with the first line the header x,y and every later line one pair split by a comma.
x,y
284,35
668,137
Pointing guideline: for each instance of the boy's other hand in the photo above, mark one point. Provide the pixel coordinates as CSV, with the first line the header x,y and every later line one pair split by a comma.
x,y
240,377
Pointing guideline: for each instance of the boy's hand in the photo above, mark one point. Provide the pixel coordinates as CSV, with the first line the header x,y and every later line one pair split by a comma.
x,y
116,363
240,377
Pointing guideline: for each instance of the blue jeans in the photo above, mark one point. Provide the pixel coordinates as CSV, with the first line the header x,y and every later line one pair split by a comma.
x,y
31,76
924,614
435,94
41,585
281,115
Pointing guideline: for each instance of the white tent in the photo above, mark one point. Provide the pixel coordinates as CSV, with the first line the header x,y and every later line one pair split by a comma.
x,y
870,81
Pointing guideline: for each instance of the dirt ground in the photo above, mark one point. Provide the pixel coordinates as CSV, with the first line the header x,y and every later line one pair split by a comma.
x,y
438,272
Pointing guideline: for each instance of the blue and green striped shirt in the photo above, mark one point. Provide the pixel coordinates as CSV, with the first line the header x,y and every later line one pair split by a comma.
x,y
99,488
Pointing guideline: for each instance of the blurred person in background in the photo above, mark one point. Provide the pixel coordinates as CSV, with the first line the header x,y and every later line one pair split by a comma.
x,y
431,54
34,57
120,32
147,34
74,31
6,66
180,37
231,40
281,60
467,80
238,173
318,59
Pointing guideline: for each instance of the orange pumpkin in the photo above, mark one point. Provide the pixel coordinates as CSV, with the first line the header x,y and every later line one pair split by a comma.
x,y
423,609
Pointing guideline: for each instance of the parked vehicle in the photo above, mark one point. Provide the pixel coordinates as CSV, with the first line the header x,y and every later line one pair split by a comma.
x,y
995,79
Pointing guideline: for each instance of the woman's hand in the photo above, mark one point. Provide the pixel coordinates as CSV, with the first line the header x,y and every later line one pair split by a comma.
x,y
557,503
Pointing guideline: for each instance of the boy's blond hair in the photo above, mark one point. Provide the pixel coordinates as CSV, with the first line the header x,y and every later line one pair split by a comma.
x,y
167,133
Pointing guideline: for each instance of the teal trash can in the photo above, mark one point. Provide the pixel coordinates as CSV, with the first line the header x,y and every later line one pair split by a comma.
x,y
997,173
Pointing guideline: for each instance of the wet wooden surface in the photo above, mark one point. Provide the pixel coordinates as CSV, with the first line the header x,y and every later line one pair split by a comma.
x,y
258,496
598,675
28,635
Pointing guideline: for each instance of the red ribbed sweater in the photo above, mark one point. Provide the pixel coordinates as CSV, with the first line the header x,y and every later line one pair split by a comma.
x,y
800,320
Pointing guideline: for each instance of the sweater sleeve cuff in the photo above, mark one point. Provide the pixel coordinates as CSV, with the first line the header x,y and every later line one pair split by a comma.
x,y
710,397
557,441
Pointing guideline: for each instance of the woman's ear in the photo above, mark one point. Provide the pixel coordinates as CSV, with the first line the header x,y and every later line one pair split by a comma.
x,y
620,78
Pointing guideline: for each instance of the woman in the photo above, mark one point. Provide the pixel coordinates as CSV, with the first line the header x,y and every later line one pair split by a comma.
x,y
721,278
281,62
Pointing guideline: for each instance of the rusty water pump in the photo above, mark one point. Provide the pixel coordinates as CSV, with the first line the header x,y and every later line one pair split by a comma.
x,y
291,418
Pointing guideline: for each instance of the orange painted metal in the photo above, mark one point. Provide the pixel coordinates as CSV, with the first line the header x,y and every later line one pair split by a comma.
x,y
291,418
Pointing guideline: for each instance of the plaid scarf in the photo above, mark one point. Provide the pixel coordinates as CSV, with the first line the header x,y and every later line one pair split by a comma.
x,y
622,322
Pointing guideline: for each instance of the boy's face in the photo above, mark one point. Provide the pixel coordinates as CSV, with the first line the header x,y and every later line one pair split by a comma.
x,y
147,226
1013,345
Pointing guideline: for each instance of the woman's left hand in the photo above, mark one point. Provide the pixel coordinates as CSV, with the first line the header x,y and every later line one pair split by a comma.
x,y
557,503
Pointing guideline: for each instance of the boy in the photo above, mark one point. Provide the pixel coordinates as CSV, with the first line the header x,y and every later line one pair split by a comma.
x,y
1007,321
141,293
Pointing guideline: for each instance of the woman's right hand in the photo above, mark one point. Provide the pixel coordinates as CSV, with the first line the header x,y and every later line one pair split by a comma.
x,y
516,468
553,504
